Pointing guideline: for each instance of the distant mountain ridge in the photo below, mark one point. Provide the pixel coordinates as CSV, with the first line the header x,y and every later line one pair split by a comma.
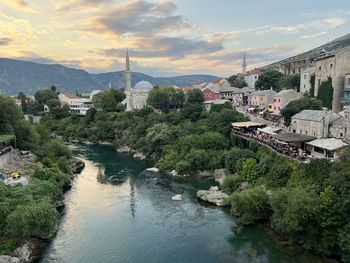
x,y
332,46
18,75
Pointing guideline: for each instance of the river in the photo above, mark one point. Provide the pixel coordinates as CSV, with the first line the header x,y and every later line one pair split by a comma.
x,y
134,220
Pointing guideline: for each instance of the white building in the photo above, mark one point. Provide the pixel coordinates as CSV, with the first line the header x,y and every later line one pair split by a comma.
x,y
305,80
251,77
77,106
136,98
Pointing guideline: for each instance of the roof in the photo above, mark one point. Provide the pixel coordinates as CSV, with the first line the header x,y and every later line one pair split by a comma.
x,y
330,144
293,137
220,102
286,92
231,89
338,123
263,92
270,130
314,115
217,81
143,85
247,124
70,95
287,96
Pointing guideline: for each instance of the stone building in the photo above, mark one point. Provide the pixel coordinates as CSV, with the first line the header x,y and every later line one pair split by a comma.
x,y
313,122
305,80
335,66
346,95
136,98
251,77
261,99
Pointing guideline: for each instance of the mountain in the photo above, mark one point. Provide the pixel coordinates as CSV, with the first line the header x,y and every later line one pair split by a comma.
x,y
18,75
333,46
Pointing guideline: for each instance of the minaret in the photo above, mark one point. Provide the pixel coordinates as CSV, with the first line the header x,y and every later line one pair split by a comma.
x,y
128,91
244,64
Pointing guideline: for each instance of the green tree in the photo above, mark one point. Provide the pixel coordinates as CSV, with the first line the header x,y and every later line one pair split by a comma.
x,y
53,103
195,96
289,82
42,96
251,205
10,113
34,107
297,106
237,82
235,157
269,78
325,93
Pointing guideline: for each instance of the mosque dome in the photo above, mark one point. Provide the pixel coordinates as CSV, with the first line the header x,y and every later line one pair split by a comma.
x,y
143,85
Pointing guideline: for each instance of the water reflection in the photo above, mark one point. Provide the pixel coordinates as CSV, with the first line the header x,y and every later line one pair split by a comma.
x,y
134,220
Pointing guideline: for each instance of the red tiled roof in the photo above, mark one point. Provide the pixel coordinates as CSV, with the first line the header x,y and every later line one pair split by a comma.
x,y
70,95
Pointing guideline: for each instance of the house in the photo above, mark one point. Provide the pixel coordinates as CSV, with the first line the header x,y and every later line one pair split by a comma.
x,y
346,95
313,122
208,103
282,98
211,92
77,106
326,148
336,66
261,99
305,80
251,77
91,94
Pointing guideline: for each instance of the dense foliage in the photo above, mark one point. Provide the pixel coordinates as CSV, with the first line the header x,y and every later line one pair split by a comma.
x,y
325,93
297,106
237,82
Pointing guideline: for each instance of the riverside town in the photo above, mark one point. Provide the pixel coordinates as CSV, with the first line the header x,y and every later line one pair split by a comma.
x,y
141,131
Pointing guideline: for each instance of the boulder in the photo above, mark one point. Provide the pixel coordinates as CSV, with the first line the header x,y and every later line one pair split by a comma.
x,y
140,156
220,175
25,251
243,186
152,170
124,149
174,173
205,174
177,197
9,259
214,195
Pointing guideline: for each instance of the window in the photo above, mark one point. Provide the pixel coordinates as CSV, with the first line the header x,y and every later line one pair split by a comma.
x,y
304,86
331,66
279,100
306,132
304,76
294,131
319,82
301,131
348,81
319,68
341,134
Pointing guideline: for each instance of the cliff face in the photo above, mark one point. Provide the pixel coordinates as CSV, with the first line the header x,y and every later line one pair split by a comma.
x,y
17,75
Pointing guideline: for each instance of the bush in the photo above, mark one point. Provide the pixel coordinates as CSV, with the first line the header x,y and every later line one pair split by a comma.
x,y
183,167
251,205
235,155
231,183
36,219
8,246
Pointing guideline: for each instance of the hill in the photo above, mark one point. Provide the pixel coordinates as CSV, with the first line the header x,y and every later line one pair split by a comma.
x,y
332,46
18,75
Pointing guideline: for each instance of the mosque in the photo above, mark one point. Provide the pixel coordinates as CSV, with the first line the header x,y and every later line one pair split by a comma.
x,y
136,98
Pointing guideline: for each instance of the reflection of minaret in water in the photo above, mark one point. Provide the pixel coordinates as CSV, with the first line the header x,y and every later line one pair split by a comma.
x,y
132,197
128,92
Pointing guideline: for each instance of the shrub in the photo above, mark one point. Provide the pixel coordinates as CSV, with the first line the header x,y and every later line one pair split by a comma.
x,y
251,205
231,183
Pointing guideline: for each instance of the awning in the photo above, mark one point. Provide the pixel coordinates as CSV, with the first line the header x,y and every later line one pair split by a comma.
x,y
270,130
293,137
247,124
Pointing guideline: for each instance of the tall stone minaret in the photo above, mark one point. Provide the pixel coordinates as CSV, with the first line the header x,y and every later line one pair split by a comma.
x,y
128,92
244,64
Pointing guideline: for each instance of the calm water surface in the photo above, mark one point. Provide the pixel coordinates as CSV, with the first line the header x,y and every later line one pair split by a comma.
x,y
134,220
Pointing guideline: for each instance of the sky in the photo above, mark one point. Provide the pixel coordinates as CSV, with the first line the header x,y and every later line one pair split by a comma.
x,y
167,37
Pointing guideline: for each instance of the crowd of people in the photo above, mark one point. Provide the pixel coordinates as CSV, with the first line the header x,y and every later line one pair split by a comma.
x,y
5,149
283,148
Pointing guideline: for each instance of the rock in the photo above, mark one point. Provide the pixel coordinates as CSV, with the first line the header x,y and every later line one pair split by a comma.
x,y
212,196
124,149
24,253
243,186
153,170
205,174
77,165
140,156
269,193
9,259
177,197
174,173
220,175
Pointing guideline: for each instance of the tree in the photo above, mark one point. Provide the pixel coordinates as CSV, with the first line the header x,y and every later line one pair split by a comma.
x,y
42,96
289,82
10,113
237,82
269,78
297,106
108,100
325,93
235,156
158,136
251,205
53,103
34,107
195,96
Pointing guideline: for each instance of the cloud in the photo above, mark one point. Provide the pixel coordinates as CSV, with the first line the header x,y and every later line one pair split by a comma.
x,y
327,23
137,17
19,4
4,41
314,35
166,47
71,5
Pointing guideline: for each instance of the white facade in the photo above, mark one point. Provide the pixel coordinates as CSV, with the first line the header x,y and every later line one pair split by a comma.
x,y
136,98
80,107
305,80
250,79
